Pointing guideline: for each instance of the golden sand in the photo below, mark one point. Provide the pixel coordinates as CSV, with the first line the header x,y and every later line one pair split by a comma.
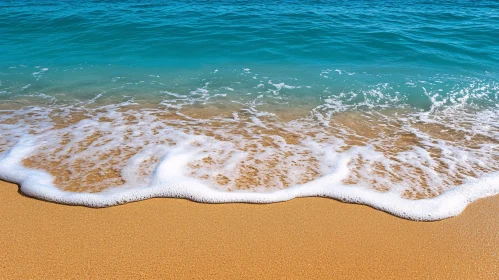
x,y
301,239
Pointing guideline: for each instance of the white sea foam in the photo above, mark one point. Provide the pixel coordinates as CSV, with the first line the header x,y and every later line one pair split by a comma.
x,y
39,74
416,165
167,181
167,159
25,87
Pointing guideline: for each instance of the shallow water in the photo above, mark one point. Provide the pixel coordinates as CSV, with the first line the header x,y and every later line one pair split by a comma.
x,y
391,104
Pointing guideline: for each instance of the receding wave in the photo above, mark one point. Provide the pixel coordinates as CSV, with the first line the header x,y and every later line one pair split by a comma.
x,y
381,104
416,164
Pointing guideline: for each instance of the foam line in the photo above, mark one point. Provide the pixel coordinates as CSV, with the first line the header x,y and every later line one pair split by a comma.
x,y
168,183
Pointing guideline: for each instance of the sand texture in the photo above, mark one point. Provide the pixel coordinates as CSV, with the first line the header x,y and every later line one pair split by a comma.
x,y
308,238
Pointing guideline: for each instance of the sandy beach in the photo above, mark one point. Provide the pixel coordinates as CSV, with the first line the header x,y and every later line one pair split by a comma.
x,y
303,238
249,139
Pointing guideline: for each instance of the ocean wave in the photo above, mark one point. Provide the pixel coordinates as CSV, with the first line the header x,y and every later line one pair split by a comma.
x,y
416,165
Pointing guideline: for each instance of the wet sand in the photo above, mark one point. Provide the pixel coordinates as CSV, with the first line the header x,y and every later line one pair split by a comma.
x,y
303,238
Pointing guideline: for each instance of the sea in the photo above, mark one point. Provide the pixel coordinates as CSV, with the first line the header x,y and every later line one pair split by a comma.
x,y
391,104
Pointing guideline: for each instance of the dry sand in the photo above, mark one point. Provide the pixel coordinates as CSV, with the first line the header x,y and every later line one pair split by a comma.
x,y
304,238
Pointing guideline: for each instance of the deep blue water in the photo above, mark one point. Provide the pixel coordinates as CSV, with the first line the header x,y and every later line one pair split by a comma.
x,y
397,53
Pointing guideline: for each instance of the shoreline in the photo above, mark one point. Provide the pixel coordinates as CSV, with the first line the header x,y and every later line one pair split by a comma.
x,y
90,155
301,238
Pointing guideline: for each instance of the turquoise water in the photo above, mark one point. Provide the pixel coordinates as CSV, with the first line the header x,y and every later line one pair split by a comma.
x,y
160,45
392,104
